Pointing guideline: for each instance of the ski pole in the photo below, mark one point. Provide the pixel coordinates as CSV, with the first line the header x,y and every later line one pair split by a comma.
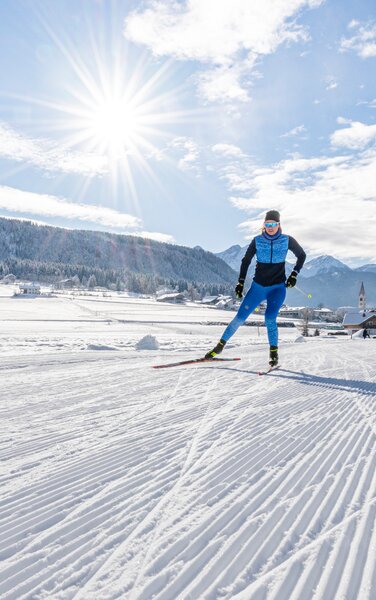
x,y
303,292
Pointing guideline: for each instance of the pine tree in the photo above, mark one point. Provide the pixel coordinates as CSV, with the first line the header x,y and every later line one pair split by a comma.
x,y
92,281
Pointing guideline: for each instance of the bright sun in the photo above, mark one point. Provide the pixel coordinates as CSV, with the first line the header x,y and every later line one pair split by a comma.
x,y
114,126
118,119
120,114
115,110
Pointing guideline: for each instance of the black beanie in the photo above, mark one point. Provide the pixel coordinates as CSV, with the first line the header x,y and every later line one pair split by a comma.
x,y
272,215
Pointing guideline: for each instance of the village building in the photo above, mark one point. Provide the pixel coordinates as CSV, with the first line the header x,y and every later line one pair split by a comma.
x,y
323,314
361,319
9,279
210,300
29,289
362,298
174,297
225,302
219,301
293,312
357,321
66,284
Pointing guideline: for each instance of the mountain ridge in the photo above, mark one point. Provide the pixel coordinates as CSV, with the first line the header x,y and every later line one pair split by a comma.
x,y
330,281
234,254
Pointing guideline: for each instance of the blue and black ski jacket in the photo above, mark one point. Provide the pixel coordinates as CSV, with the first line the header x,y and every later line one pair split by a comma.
x,y
271,252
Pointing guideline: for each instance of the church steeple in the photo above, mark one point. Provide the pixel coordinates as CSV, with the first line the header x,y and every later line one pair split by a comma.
x,y
362,298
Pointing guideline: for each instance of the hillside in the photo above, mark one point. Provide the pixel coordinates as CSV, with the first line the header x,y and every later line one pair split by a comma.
x,y
46,245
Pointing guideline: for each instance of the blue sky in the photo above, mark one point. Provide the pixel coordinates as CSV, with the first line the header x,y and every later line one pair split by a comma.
x,y
184,121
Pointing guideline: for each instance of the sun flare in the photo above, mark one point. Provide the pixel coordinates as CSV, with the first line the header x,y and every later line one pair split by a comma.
x,y
113,125
117,109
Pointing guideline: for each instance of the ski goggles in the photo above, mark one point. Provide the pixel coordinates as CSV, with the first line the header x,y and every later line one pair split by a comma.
x,y
271,224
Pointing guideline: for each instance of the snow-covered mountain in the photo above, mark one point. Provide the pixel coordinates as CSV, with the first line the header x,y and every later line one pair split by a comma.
x,y
319,265
233,256
368,268
327,279
323,264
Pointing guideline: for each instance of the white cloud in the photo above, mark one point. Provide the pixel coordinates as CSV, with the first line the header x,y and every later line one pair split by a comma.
x,y
222,84
332,85
331,82
48,156
226,35
189,161
227,150
369,103
363,42
295,131
358,135
158,237
18,201
324,201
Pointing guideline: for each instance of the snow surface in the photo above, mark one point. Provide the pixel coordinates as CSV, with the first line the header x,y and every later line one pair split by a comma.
x,y
199,482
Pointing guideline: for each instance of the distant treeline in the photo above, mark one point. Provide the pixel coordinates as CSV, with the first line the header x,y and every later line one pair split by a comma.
x,y
50,254
109,278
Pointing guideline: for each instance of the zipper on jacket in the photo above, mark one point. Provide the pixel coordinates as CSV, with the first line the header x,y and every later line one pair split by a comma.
x,y
271,251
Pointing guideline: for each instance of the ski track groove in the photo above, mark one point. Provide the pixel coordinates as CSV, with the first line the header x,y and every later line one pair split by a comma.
x,y
197,593
288,480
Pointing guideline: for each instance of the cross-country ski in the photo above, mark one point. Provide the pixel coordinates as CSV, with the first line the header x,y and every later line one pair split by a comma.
x,y
194,361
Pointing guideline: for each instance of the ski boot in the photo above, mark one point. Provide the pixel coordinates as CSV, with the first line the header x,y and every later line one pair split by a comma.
x,y
217,350
273,362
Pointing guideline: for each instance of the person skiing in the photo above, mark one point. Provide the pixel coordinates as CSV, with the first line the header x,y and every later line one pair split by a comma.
x,y
269,282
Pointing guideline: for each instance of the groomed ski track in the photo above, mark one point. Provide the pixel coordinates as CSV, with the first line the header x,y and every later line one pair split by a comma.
x,y
200,482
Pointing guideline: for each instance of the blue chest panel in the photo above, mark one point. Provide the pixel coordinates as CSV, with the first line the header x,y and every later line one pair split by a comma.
x,y
268,251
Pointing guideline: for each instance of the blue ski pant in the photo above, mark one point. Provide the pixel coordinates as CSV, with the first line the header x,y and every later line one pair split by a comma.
x,y
274,296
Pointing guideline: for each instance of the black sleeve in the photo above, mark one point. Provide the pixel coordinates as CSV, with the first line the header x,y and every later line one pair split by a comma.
x,y
299,253
251,251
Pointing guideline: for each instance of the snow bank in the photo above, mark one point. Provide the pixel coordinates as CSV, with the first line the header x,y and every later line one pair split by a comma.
x,y
299,339
99,347
358,335
148,342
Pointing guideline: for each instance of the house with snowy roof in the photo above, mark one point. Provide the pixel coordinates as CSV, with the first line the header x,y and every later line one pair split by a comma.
x,y
293,312
323,314
361,319
356,321
175,297
29,289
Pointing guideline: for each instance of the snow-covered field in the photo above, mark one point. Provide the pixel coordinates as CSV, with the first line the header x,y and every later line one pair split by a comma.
x,y
199,482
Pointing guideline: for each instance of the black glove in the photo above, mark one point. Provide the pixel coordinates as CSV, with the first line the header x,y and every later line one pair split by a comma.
x,y
291,281
239,289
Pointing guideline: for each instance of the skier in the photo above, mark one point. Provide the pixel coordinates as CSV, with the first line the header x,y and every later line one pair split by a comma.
x,y
269,282
366,334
